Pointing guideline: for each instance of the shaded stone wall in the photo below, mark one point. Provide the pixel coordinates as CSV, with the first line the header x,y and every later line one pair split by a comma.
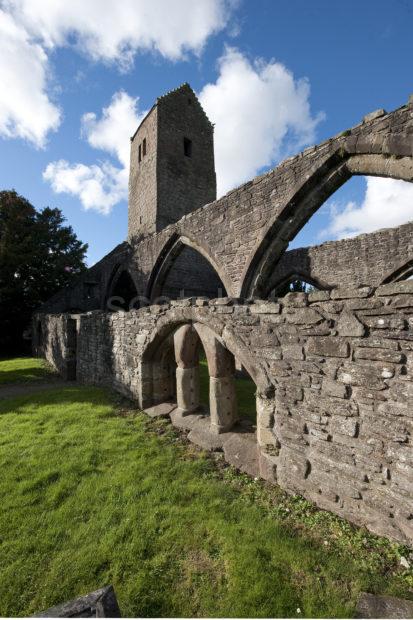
x,y
363,260
55,338
191,276
334,376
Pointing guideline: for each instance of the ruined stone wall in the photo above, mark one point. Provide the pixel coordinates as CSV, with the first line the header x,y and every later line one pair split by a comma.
x,y
363,260
246,232
55,339
334,376
90,290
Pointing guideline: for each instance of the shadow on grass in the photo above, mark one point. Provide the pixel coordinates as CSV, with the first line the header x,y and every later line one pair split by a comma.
x,y
24,370
70,395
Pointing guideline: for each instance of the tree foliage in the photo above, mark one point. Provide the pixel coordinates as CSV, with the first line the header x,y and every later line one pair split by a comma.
x,y
38,256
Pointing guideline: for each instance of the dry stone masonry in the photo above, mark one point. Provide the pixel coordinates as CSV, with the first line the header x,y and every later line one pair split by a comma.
x,y
333,368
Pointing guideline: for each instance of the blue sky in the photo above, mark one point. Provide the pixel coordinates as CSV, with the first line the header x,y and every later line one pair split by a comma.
x,y
276,75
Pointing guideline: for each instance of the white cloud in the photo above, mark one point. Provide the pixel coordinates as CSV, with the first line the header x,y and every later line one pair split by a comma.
x,y
260,112
114,30
26,110
386,203
112,132
100,186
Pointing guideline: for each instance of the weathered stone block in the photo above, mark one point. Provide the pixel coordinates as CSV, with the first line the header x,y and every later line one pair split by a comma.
x,y
304,316
361,376
328,347
385,355
344,426
395,288
265,308
349,325
333,388
349,293
295,300
293,351
294,463
371,116
315,296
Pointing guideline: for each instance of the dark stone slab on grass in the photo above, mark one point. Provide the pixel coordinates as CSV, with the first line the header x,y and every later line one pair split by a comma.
x,y
372,606
99,604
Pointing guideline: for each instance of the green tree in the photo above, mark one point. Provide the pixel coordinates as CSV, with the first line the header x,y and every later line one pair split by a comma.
x,y
38,256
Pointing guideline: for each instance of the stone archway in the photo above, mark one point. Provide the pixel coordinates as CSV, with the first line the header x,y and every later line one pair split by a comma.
x,y
305,200
179,352
221,347
122,292
197,274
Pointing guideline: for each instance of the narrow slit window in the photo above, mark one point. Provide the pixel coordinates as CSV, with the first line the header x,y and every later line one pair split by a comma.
x,y
187,147
140,153
144,147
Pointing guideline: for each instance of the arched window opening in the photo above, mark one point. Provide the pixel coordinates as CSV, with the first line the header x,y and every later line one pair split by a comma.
x,y
364,204
123,294
187,273
404,272
292,285
207,384
342,237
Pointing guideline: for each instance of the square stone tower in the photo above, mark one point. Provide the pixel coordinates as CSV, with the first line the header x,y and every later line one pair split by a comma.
x,y
172,169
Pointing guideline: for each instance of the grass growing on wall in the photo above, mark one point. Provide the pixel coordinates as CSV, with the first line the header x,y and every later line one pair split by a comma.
x,y
24,369
92,494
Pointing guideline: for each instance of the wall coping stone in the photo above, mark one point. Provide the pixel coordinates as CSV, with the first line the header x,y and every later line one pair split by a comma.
x,y
394,288
371,116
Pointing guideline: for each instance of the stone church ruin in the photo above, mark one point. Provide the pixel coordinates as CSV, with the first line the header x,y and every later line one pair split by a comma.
x,y
333,368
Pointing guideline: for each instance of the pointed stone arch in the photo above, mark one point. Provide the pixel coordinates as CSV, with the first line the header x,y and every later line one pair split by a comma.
x,y
403,272
318,186
171,251
122,291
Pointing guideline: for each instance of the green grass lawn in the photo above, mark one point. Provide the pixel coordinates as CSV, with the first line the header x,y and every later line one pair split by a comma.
x,y
24,369
245,389
93,493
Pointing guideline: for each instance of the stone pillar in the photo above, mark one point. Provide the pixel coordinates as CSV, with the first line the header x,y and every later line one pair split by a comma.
x,y
187,389
186,343
222,403
222,397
